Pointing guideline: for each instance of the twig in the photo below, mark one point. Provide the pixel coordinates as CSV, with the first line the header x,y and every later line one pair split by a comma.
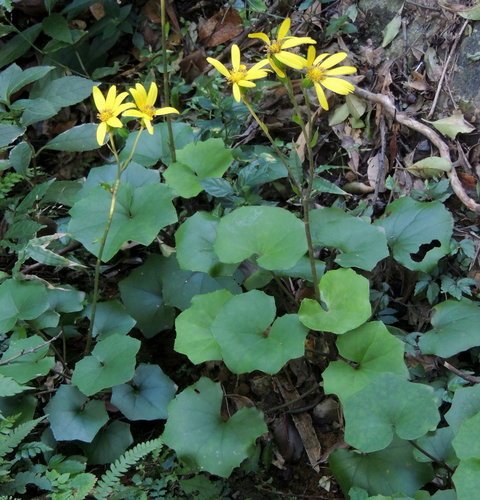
x,y
431,135
430,456
24,352
381,163
428,7
296,400
445,67
466,376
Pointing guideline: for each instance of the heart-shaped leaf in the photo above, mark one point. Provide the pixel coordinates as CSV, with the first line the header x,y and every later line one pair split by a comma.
x,y
111,318
467,441
389,404
212,443
362,244
439,447
146,397
465,404
466,479
374,351
249,341
72,418
272,233
109,443
112,362
346,297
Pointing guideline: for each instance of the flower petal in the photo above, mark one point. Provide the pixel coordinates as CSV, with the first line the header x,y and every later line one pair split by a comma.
x,y
219,66
341,70
320,58
255,75
292,60
148,125
101,133
111,95
98,99
152,94
166,111
338,85
135,113
321,96
261,36
284,29
259,65
311,52
114,122
118,100
276,68
237,94
123,107
333,60
235,57
246,83
295,41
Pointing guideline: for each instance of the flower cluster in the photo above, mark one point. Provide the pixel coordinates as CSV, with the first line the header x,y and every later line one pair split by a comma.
x,y
112,106
318,70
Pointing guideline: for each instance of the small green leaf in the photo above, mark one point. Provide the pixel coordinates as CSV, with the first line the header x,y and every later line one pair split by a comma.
x,y
146,397
472,13
112,362
212,443
466,479
338,115
392,29
9,387
322,185
109,443
346,297
56,26
389,405
20,157
356,106
453,125
431,167
8,133
111,318
274,234
79,138
13,79
438,445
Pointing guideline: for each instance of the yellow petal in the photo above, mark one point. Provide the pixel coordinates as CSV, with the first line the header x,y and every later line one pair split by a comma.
x,y
246,83
166,111
276,68
295,41
148,125
292,60
284,29
123,107
261,36
321,96
333,60
311,55
320,58
137,98
235,57
219,66
101,133
110,100
341,70
152,94
141,91
255,75
134,112
98,99
118,100
259,65
114,122
338,85
237,94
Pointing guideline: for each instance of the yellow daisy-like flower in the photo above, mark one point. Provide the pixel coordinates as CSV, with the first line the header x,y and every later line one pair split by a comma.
x,y
320,72
277,49
239,75
145,103
108,110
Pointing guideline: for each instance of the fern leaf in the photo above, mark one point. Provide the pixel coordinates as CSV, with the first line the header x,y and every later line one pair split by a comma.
x,y
112,477
16,436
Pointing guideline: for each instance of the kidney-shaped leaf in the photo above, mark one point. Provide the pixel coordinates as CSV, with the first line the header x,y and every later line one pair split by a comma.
x,y
418,232
272,233
146,397
249,341
389,405
72,418
455,328
362,245
112,362
374,350
109,443
465,404
110,318
347,306
467,441
467,479
203,439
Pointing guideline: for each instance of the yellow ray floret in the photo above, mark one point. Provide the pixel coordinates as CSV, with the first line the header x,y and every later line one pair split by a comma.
x,y
320,72
145,105
108,110
239,75
277,49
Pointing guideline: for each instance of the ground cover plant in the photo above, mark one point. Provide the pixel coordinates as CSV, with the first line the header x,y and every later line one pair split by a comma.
x,y
239,251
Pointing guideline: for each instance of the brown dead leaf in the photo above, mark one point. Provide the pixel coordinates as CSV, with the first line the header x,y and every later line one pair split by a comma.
x,y
220,28
97,10
193,65
374,167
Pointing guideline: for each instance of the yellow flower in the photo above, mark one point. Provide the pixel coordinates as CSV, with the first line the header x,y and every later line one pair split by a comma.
x,y
145,103
108,110
319,73
276,49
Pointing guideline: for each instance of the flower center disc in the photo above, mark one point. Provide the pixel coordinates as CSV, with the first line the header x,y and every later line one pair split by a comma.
x,y
275,48
237,76
315,74
105,115
149,111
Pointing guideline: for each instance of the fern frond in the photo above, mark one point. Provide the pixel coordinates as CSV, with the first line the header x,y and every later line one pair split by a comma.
x,y
11,440
112,477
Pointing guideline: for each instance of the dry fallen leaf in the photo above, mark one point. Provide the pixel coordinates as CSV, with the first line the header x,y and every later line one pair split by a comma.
x,y
220,28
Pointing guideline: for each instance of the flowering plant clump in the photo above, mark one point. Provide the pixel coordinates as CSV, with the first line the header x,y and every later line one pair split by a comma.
x,y
239,75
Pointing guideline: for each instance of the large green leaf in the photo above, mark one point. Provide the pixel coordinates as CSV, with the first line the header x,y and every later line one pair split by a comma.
x,y
250,339
109,444
385,472
21,300
195,162
389,405
111,318
346,297
467,441
212,443
19,44
72,418
13,79
8,133
418,232
373,350
362,245
465,404
273,234
139,215
467,479
112,362
66,91
79,138
142,294
146,397
455,328
438,445
193,327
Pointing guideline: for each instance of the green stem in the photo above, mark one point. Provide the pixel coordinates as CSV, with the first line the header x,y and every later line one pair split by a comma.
x,y
166,92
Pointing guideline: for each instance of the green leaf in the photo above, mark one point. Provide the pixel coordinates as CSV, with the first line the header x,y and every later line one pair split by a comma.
x,y
79,138
146,397
109,443
142,294
139,215
274,234
56,26
65,299
302,269
197,161
465,404
389,404
346,297
467,441
362,244
418,232
356,106
193,327
373,350
339,115
385,472
13,79
19,44
35,110
453,125
72,418
437,444
67,91
431,167
111,318
455,328
472,13
212,443
20,157
8,133
392,29
112,362
8,387
21,404
466,479
250,339
322,185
